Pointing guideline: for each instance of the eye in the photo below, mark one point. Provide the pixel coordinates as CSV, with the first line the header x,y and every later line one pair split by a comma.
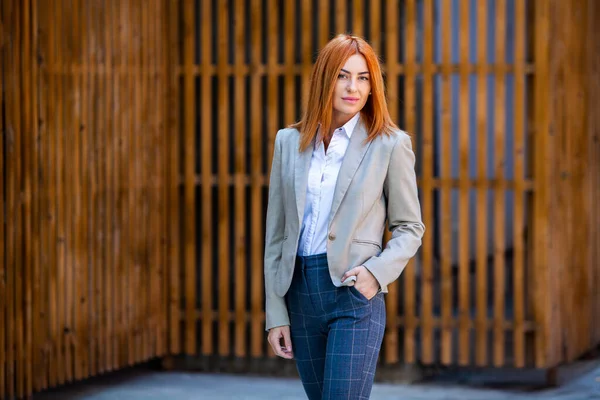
x,y
364,78
342,76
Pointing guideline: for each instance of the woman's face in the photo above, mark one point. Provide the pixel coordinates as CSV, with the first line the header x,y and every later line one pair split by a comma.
x,y
352,87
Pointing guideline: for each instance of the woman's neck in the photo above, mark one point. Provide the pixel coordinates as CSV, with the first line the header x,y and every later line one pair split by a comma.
x,y
337,121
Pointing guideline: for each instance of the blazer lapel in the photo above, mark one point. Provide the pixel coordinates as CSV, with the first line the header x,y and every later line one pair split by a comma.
x,y
352,159
301,167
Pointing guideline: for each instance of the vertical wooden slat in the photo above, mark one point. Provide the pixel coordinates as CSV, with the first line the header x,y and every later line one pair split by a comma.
x,y
427,355
257,335
3,238
134,248
240,186
84,289
39,326
307,23
223,167
272,25
499,195
463,213
391,339
31,216
289,46
358,20
519,191
24,276
481,329
174,129
376,26
323,23
410,121
340,16
59,337
106,29
207,207
445,168
189,221
10,92
125,106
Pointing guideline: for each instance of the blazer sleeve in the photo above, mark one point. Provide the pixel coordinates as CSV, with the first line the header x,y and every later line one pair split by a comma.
x,y
403,214
275,308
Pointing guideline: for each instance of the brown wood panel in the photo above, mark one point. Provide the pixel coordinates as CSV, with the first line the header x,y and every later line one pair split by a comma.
x,y
376,22
464,305
410,111
240,231
173,178
481,334
340,16
427,335
189,203
256,196
359,17
391,353
499,195
207,210
3,261
323,24
519,191
446,221
223,174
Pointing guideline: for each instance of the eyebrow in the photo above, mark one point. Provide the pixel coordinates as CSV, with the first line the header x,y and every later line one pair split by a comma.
x,y
360,73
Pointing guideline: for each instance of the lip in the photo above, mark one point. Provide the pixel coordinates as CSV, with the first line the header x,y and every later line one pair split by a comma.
x,y
350,99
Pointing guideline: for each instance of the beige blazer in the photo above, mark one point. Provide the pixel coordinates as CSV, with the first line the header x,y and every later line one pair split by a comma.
x,y
376,181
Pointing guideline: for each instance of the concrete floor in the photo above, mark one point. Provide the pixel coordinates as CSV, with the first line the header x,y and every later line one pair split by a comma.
x,y
146,384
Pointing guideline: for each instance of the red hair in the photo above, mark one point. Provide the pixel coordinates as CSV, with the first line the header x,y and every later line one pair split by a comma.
x,y
319,104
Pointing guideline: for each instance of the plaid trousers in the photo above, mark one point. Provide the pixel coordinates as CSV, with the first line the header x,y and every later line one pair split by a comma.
x,y
336,332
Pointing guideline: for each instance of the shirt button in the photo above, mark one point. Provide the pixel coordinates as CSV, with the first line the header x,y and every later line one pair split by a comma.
x,y
331,237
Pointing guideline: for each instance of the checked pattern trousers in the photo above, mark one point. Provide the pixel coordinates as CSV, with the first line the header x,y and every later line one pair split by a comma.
x,y
336,332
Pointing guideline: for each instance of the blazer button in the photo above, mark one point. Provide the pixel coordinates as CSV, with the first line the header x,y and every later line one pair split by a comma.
x,y
331,237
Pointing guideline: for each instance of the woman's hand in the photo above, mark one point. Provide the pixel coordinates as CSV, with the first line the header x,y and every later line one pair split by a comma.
x,y
275,336
365,283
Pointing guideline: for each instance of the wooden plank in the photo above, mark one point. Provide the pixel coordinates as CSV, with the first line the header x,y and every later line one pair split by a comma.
x,y
174,221
3,237
240,188
375,26
272,114
25,275
189,187
223,174
445,167
427,352
499,194
410,112
324,27
134,183
391,355
60,345
463,194
307,52
358,20
83,287
289,48
125,107
207,204
256,187
10,92
481,334
519,192
340,16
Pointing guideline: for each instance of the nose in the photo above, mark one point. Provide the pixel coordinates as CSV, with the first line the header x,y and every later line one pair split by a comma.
x,y
351,87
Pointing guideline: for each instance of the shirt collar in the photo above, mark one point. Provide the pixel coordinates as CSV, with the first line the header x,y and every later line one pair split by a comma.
x,y
349,126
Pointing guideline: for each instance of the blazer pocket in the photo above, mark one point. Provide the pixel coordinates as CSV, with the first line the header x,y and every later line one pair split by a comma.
x,y
367,242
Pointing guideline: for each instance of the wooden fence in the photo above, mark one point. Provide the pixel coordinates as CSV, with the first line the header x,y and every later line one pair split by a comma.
x,y
136,142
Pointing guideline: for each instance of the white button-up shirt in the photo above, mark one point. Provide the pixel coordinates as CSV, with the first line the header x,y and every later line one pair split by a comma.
x,y
322,178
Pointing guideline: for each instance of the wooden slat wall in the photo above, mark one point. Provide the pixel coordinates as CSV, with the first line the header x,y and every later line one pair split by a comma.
x,y
129,147
82,288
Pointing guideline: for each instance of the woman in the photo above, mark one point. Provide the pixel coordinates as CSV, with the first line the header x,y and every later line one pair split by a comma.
x,y
336,176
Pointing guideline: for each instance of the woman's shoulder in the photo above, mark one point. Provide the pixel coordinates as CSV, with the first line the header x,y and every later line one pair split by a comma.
x,y
287,135
396,136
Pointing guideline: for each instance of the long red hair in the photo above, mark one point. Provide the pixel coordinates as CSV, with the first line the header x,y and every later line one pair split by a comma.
x,y
319,104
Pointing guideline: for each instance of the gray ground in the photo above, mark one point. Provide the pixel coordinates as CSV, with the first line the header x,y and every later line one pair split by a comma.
x,y
582,381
